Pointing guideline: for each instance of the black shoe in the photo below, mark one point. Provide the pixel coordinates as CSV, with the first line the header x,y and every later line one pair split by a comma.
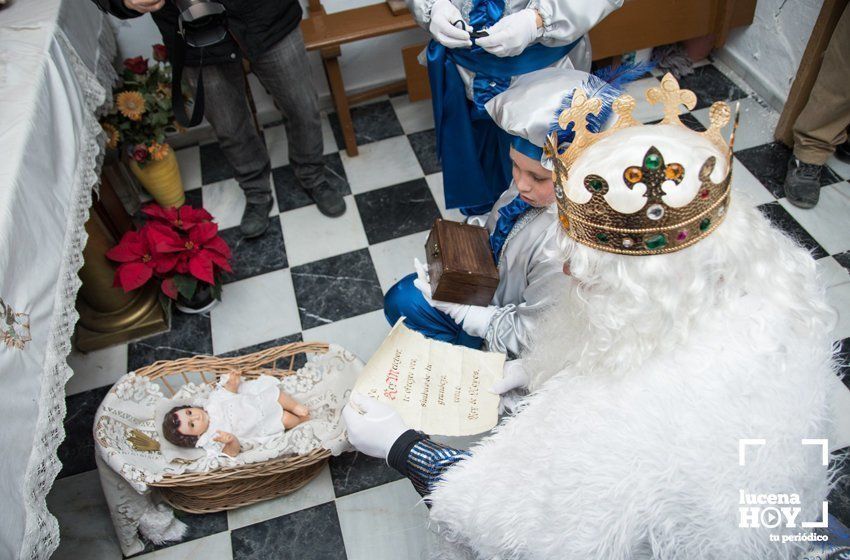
x,y
802,183
329,201
255,218
842,152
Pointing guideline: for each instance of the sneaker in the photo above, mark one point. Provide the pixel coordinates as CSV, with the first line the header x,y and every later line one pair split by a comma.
x,y
842,152
255,218
329,201
802,183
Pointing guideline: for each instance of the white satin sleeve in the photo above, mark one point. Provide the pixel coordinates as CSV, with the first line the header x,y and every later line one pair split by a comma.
x,y
512,325
564,21
421,10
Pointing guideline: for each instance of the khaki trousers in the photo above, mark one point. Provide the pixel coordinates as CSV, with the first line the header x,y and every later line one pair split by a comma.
x,y
822,126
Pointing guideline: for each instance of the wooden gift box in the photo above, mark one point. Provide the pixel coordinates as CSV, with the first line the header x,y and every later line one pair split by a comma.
x,y
460,263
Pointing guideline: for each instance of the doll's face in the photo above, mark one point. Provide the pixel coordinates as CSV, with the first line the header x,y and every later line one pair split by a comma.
x,y
193,421
533,181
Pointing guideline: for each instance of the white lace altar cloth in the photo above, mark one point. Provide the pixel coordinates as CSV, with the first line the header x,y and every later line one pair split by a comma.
x,y
323,385
55,74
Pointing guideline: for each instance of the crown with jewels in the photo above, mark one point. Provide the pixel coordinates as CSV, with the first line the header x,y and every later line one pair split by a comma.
x,y
639,189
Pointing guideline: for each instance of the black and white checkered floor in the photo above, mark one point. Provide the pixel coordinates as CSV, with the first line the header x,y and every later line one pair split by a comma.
x,y
315,278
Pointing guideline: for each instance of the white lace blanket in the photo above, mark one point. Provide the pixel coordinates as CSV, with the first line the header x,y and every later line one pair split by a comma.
x,y
323,384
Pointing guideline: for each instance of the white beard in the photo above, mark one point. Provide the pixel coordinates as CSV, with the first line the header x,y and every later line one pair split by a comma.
x,y
636,455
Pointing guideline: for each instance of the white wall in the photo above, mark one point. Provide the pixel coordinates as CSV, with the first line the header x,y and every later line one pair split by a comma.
x,y
767,53
364,63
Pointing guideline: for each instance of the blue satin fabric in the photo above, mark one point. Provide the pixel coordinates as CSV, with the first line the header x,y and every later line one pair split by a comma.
x,y
405,300
474,151
508,215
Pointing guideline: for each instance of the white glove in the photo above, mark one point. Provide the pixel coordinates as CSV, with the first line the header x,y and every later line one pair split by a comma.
x,y
512,34
456,311
443,16
373,426
474,319
513,377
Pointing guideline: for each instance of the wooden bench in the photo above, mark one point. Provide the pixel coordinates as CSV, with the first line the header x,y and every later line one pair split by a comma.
x,y
326,32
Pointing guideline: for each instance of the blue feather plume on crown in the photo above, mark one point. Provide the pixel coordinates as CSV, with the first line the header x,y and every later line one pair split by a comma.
x,y
606,84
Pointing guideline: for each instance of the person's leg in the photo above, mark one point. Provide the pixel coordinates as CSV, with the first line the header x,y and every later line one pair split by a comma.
x,y
226,108
285,72
289,404
822,125
405,300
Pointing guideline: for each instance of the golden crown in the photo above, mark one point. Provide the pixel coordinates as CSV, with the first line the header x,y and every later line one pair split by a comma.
x,y
648,225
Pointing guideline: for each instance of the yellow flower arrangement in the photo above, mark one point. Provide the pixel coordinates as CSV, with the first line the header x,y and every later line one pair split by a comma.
x,y
112,135
131,104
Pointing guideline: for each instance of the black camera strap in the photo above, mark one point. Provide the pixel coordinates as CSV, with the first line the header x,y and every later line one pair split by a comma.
x,y
178,60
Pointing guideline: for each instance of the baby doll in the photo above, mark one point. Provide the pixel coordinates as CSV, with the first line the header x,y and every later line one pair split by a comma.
x,y
251,411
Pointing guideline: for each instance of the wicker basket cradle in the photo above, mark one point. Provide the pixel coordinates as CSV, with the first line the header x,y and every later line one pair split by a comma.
x,y
234,487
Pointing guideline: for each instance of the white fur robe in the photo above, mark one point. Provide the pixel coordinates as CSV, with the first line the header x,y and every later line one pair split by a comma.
x,y
642,462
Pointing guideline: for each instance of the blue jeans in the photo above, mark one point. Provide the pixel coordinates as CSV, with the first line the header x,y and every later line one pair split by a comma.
x,y
405,300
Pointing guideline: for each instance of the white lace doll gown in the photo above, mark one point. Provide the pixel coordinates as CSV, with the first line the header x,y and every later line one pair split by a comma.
x,y
253,414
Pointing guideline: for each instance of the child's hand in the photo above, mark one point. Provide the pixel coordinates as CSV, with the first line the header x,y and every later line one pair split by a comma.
x,y
234,378
231,444
224,437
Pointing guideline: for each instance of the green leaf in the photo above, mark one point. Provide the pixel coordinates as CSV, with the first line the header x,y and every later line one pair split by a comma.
x,y
215,289
186,285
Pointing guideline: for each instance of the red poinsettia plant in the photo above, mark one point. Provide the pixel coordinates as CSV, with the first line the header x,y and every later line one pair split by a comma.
x,y
179,247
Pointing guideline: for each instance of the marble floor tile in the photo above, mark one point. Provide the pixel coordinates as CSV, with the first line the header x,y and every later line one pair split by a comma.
x,y
213,547
780,218
336,288
385,523
96,369
85,527
844,360
393,259
328,138
691,122
381,164
839,497
200,525
76,452
361,335
289,193
189,335
214,166
424,145
398,210
644,111
839,297
225,200
309,534
255,310
769,164
312,236
710,85
318,491
829,221
745,183
413,116
195,198
839,167
843,259
189,161
756,126
831,272
372,122
277,145
435,183
258,255
355,472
